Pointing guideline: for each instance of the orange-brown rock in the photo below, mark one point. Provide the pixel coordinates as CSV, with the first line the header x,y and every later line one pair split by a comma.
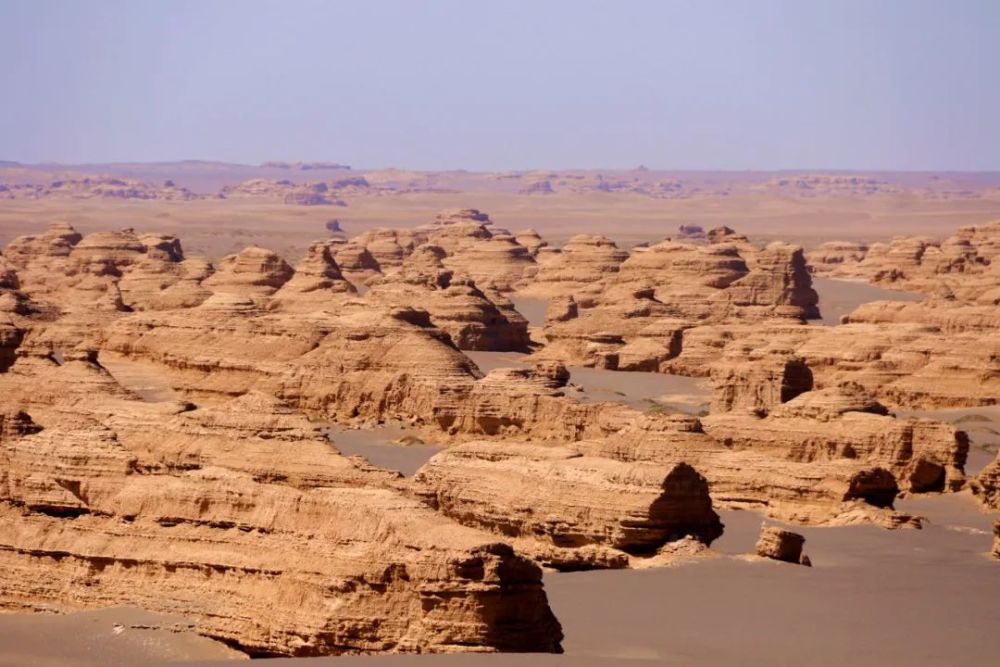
x,y
531,240
252,272
783,545
584,260
637,318
758,382
907,365
948,316
580,509
846,423
204,512
316,284
455,305
963,266
490,257
836,491
987,485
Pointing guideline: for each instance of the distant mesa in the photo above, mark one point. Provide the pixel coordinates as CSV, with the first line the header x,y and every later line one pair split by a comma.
x,y
543,187
461,215
334,226
691,232
302,166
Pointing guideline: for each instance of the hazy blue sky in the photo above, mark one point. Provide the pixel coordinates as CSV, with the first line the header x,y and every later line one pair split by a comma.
x,y
906,84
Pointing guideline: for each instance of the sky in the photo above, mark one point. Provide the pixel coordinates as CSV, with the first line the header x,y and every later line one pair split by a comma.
x,y
505,84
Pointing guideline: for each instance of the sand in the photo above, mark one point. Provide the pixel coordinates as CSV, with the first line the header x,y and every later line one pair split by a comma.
x,y
103,638
840,297
145,380
381,447
531,308
641,390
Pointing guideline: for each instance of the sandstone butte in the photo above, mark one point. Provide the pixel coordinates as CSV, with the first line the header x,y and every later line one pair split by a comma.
x,y
160,440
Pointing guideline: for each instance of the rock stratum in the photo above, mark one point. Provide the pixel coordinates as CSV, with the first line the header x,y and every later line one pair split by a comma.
x,y
160,441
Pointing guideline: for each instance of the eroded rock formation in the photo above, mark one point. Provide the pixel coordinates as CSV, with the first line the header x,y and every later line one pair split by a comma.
x,y
783,545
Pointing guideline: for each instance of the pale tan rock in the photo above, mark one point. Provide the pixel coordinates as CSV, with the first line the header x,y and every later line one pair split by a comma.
x,y
838,491
963,266
457,306
253,272
583,261
758,382
567,501
532,240
846,423
492,258
783,545
316,284
987,485
244,520
833,257
949,317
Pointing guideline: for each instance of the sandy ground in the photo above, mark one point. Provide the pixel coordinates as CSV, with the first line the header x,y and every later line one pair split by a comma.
x,y
531,308
643,391
840,297
382,447
106,637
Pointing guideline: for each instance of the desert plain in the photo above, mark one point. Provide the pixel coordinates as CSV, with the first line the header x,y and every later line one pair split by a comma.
x,y
327,415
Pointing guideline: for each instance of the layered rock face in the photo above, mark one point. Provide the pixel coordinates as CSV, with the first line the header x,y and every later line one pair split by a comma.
x,y
987,485
963,266
907,365
834,491
317,282
834,424
782,545
202,512
252,272
758,383
583,261
455,305
638,318
568,510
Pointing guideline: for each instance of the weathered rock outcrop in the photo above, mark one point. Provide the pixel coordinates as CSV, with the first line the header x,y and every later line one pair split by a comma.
x,y
783,545
846,423
963,266
987,485
573,505
759,382
252,272
455,305
202,512
584,260
837,491
316,284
